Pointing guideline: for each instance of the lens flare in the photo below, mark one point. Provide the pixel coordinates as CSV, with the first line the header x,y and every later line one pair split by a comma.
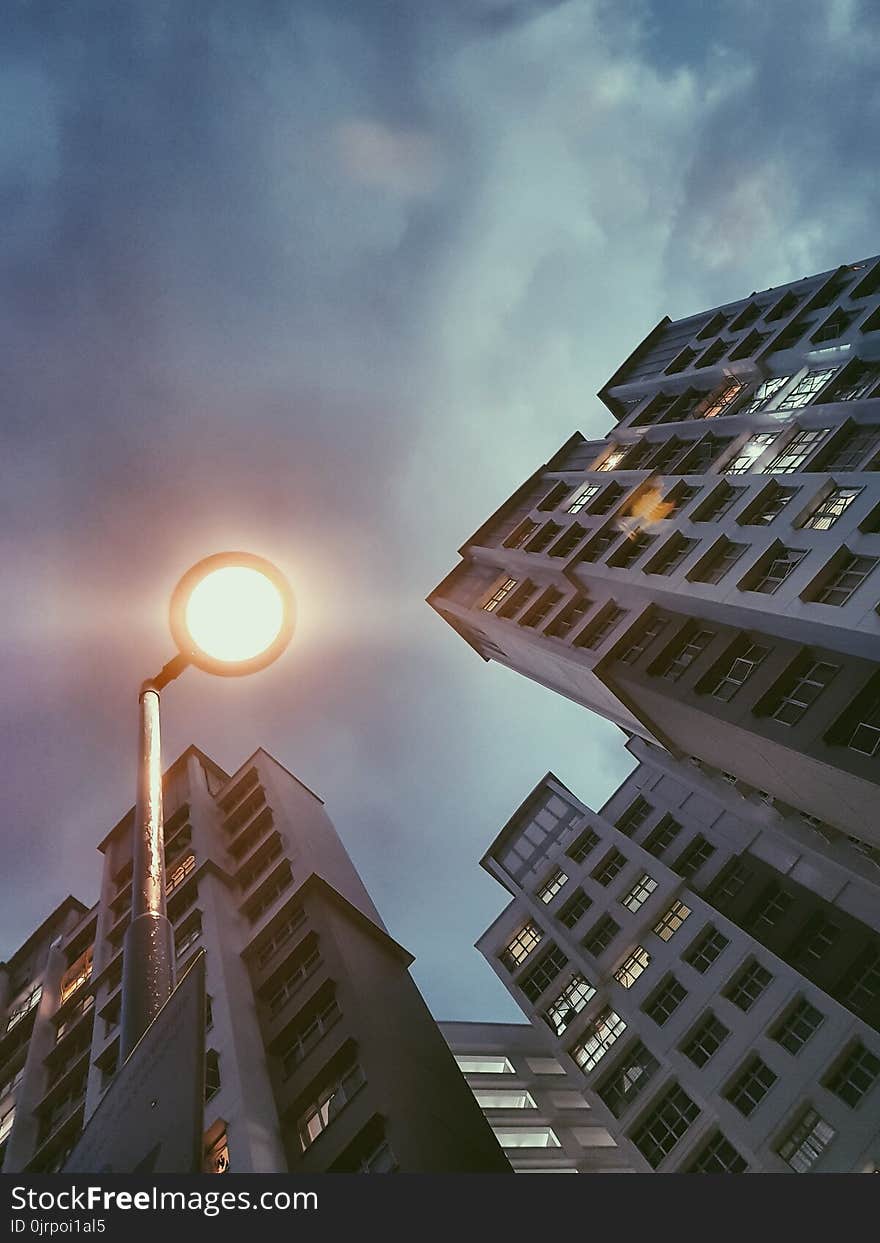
x,y
234,613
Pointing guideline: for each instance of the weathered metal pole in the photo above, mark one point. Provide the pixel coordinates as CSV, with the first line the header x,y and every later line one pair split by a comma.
x,y
148,956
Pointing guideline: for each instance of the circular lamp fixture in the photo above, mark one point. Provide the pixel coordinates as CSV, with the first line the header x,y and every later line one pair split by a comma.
x,y
232,614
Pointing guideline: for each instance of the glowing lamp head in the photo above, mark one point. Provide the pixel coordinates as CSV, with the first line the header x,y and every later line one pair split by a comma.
x,y
232,613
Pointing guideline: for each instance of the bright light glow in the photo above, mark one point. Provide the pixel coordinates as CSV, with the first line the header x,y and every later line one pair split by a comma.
x,y
234,613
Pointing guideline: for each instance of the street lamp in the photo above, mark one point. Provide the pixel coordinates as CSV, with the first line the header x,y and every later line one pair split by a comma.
x,y
231,614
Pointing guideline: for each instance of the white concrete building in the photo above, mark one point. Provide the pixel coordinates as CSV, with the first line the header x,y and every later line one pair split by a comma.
x,y
707,965
707,575
322,1055
534,1104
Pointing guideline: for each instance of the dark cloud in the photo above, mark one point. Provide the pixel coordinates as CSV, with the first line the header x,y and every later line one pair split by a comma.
x,y
328,281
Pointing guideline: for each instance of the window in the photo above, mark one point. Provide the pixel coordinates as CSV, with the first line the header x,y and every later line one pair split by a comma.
x,y
713,353
552,886
748,985
634,817
538,1137
718,504
862,987
10,1084
24,1006
860,379
607,499
582,496
187,934
500,593
675,500
693,857
605,872
796,452
799,689
750,1086
554,497
600,936
722,558
744,461
718,1156
567,543
673,554
854,1076
520,534
212,1074
308,1033
598,1039
564,1008
569,617
721,402
518,950
546,535
665,1000
574,909
662,836
800,1022
685,652
849,452
776,569
770,506
771,907
302,965
865,736
280,936
628,1078
599,544
584,845
594,634
269,894
834,506
7,1117
806,1141
515,599
542,608
846,579
476,1065
76,975
764,393
665,1124
705,1040
732,882
635,898
631,549
632,967
818,938
505,1098
806,388
645,636
613,458
737,670
329,1104
181,871
670,922
703,454
543,973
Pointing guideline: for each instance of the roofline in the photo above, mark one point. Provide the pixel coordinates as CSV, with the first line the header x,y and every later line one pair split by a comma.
x,y
70,903
549,776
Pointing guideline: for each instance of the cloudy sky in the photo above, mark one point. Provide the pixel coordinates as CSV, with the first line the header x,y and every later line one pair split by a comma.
x,y
327,281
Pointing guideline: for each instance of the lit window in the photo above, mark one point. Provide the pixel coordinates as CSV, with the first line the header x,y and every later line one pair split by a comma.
x,y
180,873
477,1065
754,448
582,496
796,452
329,1104
832,507
613,460
598,1039
501,593
552,886
764,393
7,1117
506,1099
23,1007
76,975
518,950
667,926
539,1137
723,400
806,1141
632,967
638,895
806,388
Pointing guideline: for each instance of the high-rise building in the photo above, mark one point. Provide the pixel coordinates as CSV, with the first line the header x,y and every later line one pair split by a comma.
x,y
707,575
321,1053
708,966
535,1105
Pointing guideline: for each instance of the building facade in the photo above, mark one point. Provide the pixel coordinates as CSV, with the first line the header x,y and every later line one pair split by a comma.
x,y
321,1053
707,575
535,1105
708,966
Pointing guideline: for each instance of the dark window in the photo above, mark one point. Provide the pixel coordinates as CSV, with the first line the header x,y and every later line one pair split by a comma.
x,y
854,1076
583,845
606,499
673,554
646,633
600,936
748,985
771,907
775,569
731,882
554,497
846,579
605,871
574,909
817,939
567,543
665,1000
693,857
770,505
596,632
662,836
665,1124
543,973
542,608
705,1040
722,558
750,1086
569,617
686,650
544,538
798,689
850,451
628,1078
738,666
799,1023
718,1156
631,549
634,816
718,504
